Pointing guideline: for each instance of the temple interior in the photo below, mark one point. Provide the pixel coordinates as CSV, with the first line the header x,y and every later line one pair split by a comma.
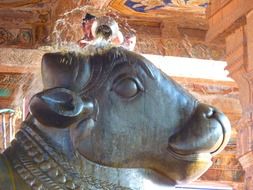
x,y
202,44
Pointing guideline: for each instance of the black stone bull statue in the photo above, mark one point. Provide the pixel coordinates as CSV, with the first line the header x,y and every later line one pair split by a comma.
x,y
111,121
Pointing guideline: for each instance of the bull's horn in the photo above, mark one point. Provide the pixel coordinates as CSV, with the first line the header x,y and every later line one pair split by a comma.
x,y
59,107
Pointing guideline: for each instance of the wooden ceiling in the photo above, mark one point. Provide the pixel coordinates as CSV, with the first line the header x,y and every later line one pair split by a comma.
x,y
29,23
158,8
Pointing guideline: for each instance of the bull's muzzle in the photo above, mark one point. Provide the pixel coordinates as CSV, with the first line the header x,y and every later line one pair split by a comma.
x,y
208,131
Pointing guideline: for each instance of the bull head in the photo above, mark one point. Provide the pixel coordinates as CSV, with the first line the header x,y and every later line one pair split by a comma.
x,y
122,112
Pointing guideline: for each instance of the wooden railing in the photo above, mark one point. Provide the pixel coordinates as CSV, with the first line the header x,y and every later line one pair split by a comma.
x,y
7,127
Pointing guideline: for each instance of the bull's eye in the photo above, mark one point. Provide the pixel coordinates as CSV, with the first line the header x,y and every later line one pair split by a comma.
x,y
127,87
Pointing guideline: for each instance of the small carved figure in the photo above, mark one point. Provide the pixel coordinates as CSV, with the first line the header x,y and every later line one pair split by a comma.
x,y
110,121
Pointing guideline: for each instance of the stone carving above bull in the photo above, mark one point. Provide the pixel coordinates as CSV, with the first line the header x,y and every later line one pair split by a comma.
x,y
111,120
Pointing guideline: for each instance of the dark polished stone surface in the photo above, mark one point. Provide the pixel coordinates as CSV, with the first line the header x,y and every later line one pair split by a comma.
x,y
111,120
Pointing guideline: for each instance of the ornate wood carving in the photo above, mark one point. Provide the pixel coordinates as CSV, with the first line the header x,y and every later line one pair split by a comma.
x,y
17,3
13,37
10,79
24,24
167,38
19,86
194,49
18,57
16,18
225,168
223,18
224,14
151,46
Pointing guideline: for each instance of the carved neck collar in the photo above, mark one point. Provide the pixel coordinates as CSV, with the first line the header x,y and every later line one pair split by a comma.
x,y
41,166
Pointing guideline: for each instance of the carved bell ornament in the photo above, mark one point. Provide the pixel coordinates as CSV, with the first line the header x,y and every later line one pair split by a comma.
x,y
106,27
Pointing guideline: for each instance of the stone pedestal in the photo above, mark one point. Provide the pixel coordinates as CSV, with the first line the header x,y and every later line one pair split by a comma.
x,y
235,18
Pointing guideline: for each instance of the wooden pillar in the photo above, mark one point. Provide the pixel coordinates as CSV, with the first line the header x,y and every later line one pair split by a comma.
x,y
232,20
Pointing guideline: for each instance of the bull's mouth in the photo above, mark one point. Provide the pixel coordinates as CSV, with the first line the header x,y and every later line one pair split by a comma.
x,y
189,157
206,135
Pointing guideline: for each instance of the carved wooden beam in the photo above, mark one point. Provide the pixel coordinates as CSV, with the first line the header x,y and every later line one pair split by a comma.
x,y
168,38
17,3
18,69
226,15
24,24
20,58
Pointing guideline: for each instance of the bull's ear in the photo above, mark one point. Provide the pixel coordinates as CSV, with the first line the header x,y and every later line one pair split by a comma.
x,y
67,70
59,107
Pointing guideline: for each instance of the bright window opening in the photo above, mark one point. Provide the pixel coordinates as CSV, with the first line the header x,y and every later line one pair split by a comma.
x,y
190,67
